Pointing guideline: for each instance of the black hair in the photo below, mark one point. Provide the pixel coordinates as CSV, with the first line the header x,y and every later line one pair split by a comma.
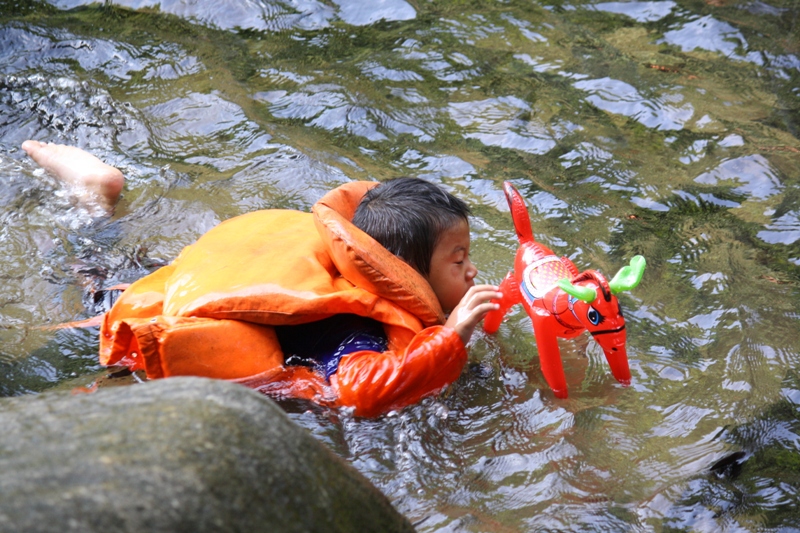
x,y
407,216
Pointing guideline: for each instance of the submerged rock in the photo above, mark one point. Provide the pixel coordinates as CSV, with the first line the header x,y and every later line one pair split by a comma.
x,y
179,454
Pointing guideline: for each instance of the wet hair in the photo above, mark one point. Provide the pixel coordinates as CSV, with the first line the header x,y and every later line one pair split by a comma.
x,y
408,216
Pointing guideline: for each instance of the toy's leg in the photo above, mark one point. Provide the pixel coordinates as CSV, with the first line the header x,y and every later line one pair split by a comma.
x,y
510,290
550,358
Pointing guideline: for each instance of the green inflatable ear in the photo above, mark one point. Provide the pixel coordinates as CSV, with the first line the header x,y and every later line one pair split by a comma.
x,y
587,294
629,276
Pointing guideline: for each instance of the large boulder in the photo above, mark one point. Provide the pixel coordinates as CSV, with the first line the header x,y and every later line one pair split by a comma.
x,y
172,455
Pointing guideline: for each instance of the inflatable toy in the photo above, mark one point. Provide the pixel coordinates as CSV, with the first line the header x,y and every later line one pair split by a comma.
x,y
562,301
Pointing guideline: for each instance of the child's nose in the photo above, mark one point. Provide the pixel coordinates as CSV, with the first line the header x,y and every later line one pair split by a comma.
x,y
471,271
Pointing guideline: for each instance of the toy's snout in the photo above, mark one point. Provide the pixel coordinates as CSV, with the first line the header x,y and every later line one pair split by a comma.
x,y
613,345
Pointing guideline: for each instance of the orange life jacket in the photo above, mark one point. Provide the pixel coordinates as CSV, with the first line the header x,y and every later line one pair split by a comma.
x,y
210,313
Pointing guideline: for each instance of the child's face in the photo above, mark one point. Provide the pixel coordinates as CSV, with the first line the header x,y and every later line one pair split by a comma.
x,y
452,273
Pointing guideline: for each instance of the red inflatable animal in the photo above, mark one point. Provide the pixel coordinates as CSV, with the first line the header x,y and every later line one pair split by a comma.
x,y
563,302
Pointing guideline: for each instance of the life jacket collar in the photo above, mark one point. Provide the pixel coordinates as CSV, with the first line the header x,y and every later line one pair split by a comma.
x,y
365,263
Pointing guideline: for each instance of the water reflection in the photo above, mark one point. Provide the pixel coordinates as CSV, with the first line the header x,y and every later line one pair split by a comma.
x,y
231,14
38,46
664,112
361,13
760,182
709,34
327,107
283,178
186,124
499,122
83,113
379,72
638,11
784,230
445,68
435,168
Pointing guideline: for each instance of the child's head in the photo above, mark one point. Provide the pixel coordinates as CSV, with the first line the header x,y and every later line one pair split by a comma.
x,y
426,227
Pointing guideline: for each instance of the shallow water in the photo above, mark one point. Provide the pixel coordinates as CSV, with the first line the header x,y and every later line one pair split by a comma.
x,y
664,128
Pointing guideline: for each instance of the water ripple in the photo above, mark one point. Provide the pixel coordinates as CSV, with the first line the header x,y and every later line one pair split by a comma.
x,y
436,167
283,178
280,77
586,153
547,205
66,111
190,125
328,107
410,95
754,172
376,71
708,33
500,122
638,11
22,50
305,15
524,27
618,97
453,67
695,152
785,229
359,13
171,67
474,28
539,64
233,14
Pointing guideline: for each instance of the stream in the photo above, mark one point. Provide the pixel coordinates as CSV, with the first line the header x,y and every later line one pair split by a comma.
x,y
666,128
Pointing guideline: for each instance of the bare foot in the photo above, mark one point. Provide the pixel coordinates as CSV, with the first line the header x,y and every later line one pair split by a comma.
x,y
102,183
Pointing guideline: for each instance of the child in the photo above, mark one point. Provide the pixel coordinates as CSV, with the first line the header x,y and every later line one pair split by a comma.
x,y
366,302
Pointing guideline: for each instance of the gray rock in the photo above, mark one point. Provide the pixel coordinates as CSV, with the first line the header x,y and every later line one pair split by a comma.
x,y
172,455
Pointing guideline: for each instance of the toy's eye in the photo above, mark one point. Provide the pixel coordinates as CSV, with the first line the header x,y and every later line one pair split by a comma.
x,y
594,317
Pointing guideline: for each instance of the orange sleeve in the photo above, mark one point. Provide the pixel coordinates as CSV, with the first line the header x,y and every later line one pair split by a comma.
x,y
375,383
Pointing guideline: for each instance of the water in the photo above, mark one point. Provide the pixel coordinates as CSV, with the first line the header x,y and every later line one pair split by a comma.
x,y
666,128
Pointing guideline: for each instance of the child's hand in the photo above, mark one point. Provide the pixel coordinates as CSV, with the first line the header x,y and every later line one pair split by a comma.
x,y
471,310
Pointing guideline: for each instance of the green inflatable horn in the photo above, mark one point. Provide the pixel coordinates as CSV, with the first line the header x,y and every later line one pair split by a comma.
x,y
587,294
628,276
